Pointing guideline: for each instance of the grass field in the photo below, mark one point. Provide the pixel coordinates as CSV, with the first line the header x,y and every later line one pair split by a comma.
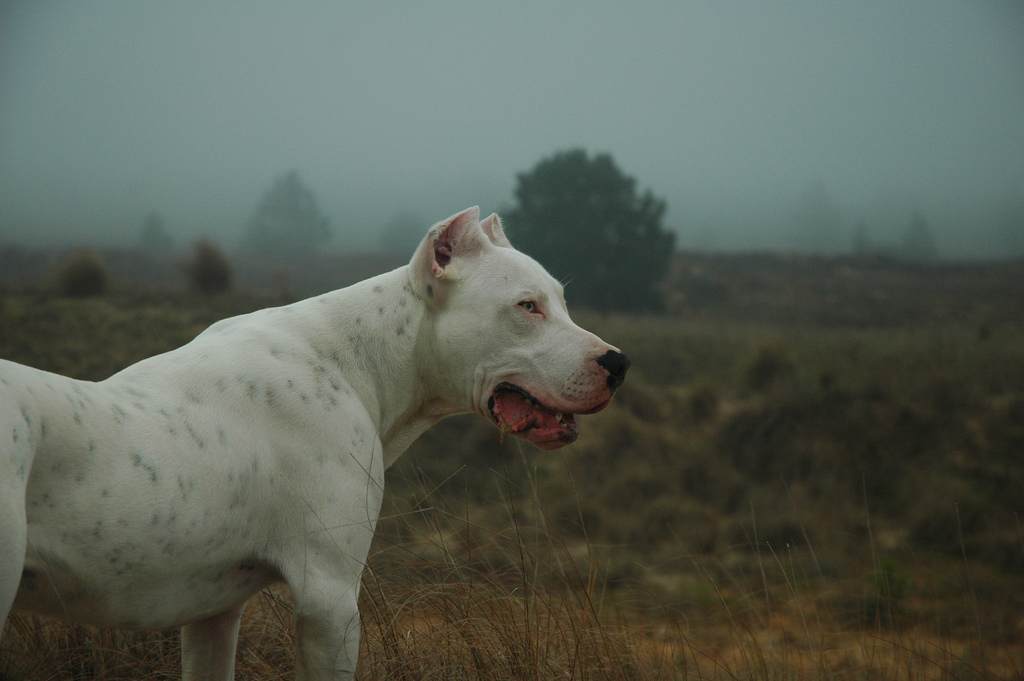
x,y
770,496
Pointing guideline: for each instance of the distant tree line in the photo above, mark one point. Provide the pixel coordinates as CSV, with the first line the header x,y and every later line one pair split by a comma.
x,y
820,226
916,243
580,215
287,220
154,236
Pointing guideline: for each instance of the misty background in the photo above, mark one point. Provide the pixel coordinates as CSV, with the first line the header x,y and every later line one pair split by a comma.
x,y
743,117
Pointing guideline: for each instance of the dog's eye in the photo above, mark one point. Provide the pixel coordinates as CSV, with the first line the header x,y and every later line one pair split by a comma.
x,y
528,305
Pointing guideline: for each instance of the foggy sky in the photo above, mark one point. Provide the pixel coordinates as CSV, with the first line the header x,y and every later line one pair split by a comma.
x,y
729,111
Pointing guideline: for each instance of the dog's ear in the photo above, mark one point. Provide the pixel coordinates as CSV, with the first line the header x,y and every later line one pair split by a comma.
x,y
491,226
431,267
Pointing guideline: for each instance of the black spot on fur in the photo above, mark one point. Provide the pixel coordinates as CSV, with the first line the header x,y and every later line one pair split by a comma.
x,y
139,462
186,485
199,440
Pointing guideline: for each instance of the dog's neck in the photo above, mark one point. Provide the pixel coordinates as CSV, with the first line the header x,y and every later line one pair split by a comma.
x,y
377,326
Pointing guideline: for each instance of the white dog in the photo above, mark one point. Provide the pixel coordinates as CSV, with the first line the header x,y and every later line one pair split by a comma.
x,y
172,492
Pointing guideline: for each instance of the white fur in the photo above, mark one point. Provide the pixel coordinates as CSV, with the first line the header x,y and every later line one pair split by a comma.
x,y
172,492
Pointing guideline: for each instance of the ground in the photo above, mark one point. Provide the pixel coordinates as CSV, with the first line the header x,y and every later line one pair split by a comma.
x,y
812,471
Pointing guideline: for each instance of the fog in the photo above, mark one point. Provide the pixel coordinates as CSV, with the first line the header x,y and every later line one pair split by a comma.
x,y
734,113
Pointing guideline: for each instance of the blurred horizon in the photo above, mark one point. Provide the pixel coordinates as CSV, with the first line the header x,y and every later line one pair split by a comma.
x,y
742,117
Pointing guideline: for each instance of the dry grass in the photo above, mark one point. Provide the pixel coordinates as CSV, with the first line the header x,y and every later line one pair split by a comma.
x,y
454,591
761,501
439,619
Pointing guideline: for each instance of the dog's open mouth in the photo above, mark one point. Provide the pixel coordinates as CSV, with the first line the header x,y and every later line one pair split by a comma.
x,y
516,411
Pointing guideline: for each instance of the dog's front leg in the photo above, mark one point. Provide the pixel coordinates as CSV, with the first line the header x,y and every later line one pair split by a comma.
x,y
327,638
208,647
13,533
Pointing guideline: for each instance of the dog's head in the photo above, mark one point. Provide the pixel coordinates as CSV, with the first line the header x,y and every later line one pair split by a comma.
x,y
504,336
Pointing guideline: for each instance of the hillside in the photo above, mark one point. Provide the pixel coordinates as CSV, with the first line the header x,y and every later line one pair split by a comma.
x,y
812,471
845,290
763,287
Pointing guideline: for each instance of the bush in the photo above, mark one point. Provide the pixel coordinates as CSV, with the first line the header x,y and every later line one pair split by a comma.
x,y
209,271
770,367
83,274
703,404
885,598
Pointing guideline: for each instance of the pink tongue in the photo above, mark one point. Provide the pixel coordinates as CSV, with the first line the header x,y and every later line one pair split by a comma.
x,y
519,413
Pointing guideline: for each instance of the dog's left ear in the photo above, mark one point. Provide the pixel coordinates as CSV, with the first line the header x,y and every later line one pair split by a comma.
x,y
459,236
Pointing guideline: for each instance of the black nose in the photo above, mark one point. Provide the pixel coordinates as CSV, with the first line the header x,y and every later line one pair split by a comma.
x,y
616,364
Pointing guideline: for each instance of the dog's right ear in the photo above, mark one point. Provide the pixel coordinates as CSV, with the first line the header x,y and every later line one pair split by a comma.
x,y
491,225
430,269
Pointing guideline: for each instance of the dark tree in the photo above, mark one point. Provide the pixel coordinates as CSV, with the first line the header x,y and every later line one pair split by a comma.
x,y
582,218
287,220
209,272
83,274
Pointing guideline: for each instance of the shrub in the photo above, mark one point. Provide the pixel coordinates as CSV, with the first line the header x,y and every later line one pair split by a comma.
x,y
83,274
768,369
209,271
887,588
643,402
703,404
